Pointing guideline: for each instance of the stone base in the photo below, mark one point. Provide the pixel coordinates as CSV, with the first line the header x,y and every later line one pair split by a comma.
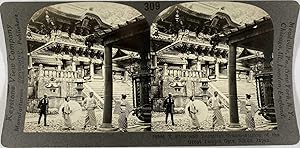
x,y
107,127
235,127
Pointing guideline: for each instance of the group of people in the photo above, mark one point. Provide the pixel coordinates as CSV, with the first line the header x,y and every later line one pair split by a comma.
x,y
89,104
216,105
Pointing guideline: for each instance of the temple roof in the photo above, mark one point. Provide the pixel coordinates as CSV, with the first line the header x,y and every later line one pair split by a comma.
x,y
179,17
110,13
240,13
82,17
256,35
133,35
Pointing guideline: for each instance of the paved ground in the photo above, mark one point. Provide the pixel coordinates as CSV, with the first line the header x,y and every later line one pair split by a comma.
x,y
182,122
56,123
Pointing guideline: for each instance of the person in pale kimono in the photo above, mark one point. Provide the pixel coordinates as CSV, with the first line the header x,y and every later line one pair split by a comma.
x,y
90,105
192,113
124,109
216,105
66,111
250,113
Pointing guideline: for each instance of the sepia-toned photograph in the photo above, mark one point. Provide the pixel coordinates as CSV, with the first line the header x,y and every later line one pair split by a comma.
x,y
212,67
149,73
88,69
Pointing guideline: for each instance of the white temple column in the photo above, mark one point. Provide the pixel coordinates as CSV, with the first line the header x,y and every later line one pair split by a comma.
x,y
92,69
217,67
74,64
41,71
207,70
125,75
251,75
198,65
165,69
103,71
29,60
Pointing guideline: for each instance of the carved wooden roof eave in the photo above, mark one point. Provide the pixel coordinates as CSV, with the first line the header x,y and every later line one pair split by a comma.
x,y
183,9
171,46
86,14
136,28
250,32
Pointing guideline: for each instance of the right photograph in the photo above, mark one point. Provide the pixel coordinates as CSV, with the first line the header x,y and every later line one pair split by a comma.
x,y
212,68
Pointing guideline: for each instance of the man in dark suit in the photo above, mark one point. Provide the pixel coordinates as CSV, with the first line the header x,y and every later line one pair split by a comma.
x,y
169,107
43,106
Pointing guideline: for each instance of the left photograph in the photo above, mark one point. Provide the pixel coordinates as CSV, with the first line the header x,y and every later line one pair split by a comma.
x,y
88,69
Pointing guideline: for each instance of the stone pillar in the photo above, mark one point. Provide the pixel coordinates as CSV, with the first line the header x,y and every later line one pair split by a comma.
x,y
41,71
59,67
207,70
165,69
233,104
30,60
108,83
125,75
199,61
74,64
251,73
92,69
154,60
59,58
198,65
103,71
184,66
217,68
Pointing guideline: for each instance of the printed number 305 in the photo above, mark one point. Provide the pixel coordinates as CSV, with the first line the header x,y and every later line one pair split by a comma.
x,y
151,6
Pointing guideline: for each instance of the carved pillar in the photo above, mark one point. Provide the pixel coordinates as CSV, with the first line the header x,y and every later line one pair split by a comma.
x,y
184,57
59,67
233,104
74,64
125,75
92,68
41,71
251,74
184,66
198,65
154,60
108,83
30,60
199,61
207,69
103,71
60,63
217,68
165,69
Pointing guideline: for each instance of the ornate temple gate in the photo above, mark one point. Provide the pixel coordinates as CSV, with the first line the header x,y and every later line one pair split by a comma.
x,y
134,35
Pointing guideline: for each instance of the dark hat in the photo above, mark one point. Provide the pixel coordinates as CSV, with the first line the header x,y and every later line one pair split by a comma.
x,y
124,96
248,96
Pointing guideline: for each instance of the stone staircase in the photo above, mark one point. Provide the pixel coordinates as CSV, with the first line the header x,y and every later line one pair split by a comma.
x,y
243,88
119,88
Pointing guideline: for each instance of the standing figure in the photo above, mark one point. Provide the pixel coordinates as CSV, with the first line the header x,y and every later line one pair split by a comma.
x,y
216,105
125,109
192,113
250,112
169,107
66,110
43,106
90,105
